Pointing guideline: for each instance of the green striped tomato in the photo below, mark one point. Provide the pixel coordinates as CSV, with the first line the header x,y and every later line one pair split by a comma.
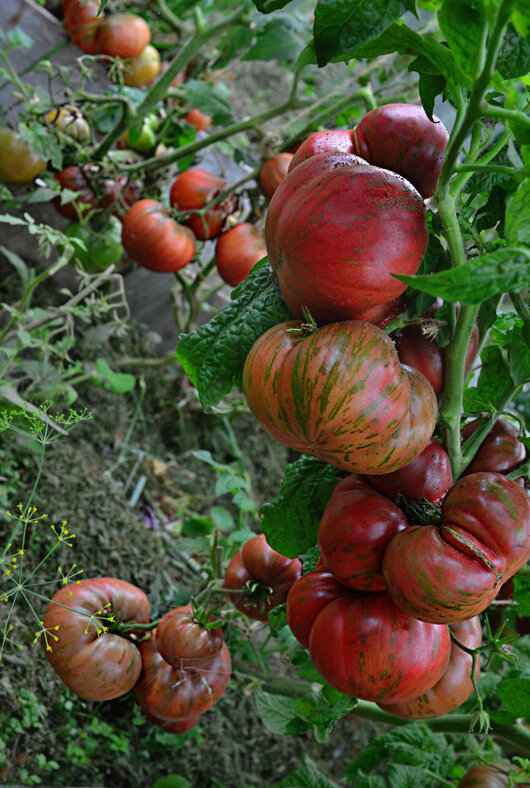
x,y
339,394
452,572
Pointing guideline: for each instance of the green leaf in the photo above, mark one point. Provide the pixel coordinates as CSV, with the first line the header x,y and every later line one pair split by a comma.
x,y
172,781
210,101
280,714
477,279
307,776
459,21
517,223
402,39
120,382
18,39
430,86
491,382
214,355
521,594
42,142
18,264
404,776
277,40
344,25
514,56
519,357
515,694
291,522
222,518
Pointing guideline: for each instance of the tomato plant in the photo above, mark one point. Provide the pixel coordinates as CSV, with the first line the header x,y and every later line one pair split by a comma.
x,y
182,640
154,240
92,661
71,121
264,577
237,251
102,245
193,190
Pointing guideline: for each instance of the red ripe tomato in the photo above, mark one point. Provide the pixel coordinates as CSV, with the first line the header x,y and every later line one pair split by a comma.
x,y
307,597
82,23
355,528
501,451
193,190
455,685
198,119
419,350
321,394
174,698
364,645
273,171
182,640
154,240
450,573
237,251
427,476
123,35
257,563
401,138
337,229
492,775
95,663
335,141
96,191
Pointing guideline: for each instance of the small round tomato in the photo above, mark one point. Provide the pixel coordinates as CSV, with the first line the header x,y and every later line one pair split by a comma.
x,y
427,476
490,775
92,661
182,640
364,645
103,246
198,119
145,142
71,121
455,685
355,528
273,171
193,190
123,35
82,23
237,251
334,141
154,240
265,573
401,138
17,163
143,69
501,451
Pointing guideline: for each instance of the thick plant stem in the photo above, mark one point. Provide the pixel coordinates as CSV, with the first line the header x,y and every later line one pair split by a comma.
x,y
159,89
450,723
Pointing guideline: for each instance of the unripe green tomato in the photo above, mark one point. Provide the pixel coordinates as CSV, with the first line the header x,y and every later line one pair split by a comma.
x,y
145,142
103,248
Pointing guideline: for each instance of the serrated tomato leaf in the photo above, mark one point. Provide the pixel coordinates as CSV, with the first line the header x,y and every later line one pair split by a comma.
x,y
515,694
291,522
214,355
475,280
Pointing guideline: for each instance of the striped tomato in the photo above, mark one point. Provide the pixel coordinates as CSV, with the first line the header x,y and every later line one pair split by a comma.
x,y
337,230
452,572
339,394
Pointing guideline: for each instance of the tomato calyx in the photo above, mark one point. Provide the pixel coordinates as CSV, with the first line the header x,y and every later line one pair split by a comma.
x,y
307,327
419,511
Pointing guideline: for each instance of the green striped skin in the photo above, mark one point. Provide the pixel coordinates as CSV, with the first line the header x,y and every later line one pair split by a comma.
x,y
455,685
333,394
337,229
450,573
367,647
169,695
95,667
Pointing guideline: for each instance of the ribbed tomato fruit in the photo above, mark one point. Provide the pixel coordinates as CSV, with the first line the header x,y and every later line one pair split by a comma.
x,y
155,240
182,640
237,251
427,476
273,171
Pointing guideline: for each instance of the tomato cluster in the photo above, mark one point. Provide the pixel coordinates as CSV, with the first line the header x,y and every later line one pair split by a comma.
x,y
178,672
